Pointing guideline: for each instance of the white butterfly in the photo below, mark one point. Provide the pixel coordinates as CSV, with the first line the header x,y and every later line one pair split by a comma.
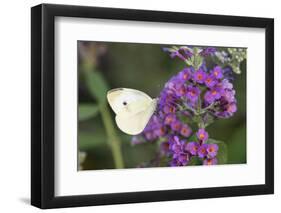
x,y
133,109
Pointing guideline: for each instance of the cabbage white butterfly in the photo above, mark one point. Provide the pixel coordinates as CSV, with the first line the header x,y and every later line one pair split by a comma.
x,y
133,109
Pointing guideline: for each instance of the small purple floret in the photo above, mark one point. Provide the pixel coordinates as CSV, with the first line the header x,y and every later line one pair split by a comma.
x,y
192,147
202,151
193,93
212,150
200,76
209,162
217,72
202,135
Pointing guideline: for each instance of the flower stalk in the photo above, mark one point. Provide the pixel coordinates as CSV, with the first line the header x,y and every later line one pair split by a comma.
x,y
98,89
112,138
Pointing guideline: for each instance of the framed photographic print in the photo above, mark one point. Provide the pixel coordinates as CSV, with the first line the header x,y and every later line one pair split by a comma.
x,y
140,106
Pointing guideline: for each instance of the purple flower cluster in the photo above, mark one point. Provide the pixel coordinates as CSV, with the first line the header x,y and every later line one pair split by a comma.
x,y
187,99
220,93
182,151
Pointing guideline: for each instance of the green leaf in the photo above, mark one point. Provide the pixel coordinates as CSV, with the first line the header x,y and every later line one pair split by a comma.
x,y
87,111
191,59
198,60
96,85
192,138
222,153
195,161
90,140
195,50
188,62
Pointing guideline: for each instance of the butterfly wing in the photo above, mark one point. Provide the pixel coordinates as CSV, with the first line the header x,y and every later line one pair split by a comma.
x,y
133,109
128,100
134,123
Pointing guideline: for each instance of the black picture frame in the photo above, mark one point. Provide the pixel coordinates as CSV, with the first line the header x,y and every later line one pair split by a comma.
x,y
43,102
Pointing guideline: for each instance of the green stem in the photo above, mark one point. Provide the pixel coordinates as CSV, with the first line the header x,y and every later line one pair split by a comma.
x,y
112,137
207,108
199,106
199,111
113,140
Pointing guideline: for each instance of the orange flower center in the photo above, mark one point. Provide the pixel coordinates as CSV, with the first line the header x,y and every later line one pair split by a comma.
x,y
214,92
177,126
192,93
172,109
201,136
200,76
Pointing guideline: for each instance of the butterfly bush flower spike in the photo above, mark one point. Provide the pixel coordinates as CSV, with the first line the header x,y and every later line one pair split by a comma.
x,y
191,100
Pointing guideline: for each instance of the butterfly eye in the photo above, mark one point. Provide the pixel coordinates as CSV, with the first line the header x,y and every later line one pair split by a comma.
x,y
124,103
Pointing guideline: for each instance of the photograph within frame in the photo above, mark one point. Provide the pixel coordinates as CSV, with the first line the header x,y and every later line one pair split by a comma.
x,y
195,86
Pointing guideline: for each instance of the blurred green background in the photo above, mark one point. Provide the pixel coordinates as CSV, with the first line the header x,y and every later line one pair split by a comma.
x,y
145,67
